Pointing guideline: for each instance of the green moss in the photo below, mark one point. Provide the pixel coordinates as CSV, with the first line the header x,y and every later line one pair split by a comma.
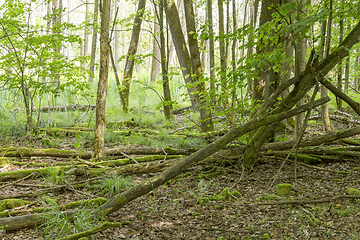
x,y
22,173
51,201
283,189
12,203
356,168
267,197
4,161
265,236
353,191
120,200
202,200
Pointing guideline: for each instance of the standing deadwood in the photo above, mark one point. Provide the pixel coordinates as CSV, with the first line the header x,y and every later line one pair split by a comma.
x,y
155,65
129,62
103,80
300,64
164,64
93,43
233,61
211,48
198,78
86,33
340,67
223,97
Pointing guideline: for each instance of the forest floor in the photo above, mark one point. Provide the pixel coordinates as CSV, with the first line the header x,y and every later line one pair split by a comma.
x,y
187,207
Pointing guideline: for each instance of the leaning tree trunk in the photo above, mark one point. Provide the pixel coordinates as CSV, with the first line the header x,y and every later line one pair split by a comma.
x,y
187,63
129,63
103,81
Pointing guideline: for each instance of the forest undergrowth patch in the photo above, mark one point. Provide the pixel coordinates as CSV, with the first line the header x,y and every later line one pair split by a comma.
x,y
213,200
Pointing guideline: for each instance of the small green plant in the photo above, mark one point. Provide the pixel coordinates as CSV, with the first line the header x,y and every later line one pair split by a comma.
x,y
55,177
114,184
200,192
58,225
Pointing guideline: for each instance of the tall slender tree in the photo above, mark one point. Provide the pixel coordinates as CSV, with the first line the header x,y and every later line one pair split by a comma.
x,y
130,61
103,80
94,41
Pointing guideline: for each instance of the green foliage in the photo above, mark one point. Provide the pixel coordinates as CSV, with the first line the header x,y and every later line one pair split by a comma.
x,y
55,177
114,184
31,63
57,225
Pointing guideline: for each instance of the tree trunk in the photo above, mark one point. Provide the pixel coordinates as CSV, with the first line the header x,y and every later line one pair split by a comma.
x,y
94,41
340,68
103,80
116,39
234,76
211,49
190,73
86,34
155,65
300,64
222,73
164,64
198,78
129,63
324,109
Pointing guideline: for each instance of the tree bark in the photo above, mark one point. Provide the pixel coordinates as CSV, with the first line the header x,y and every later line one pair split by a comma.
x,y
324,109
300,64
191,67
340,67
164,64
223,62
103,81
93,42
198,78
155,65
211,49
129,63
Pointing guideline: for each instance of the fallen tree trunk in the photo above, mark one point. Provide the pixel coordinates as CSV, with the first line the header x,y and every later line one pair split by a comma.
x,y
122,199
77,107
52,152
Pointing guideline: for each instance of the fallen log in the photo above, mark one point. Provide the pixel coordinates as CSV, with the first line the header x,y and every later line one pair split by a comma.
x,y
52,152
117,202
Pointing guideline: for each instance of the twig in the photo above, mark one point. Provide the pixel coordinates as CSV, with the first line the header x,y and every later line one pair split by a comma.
x,y
19,180
306,201
129,157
